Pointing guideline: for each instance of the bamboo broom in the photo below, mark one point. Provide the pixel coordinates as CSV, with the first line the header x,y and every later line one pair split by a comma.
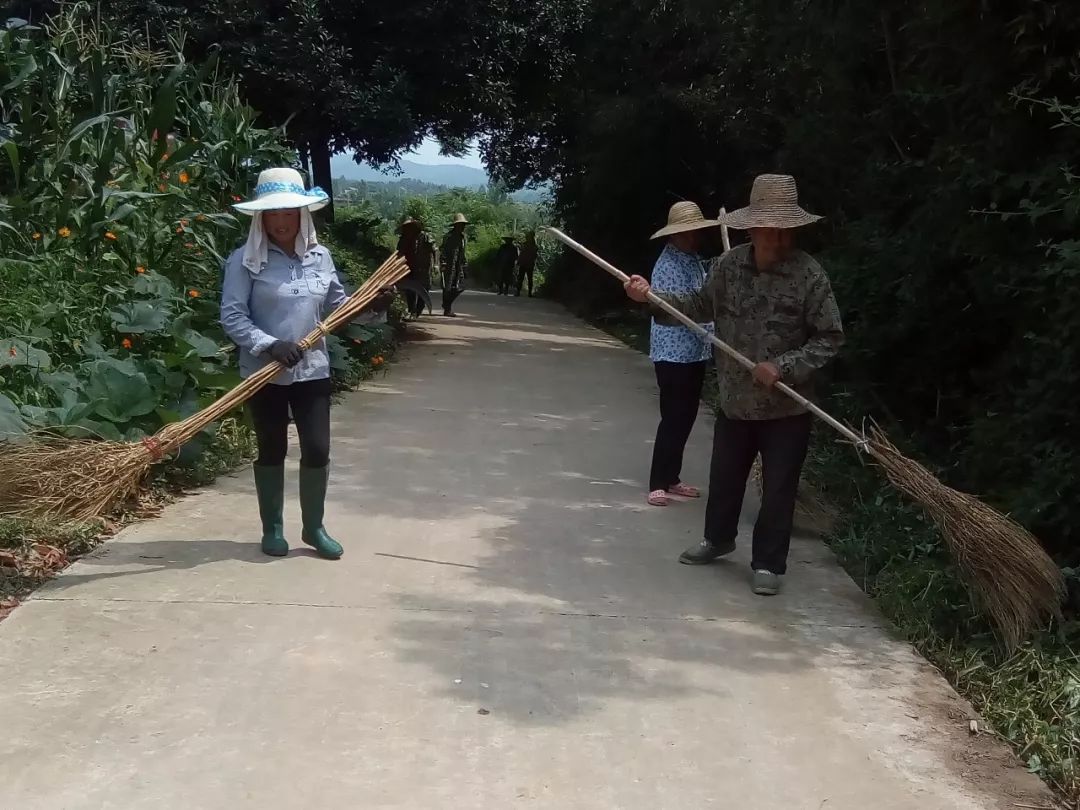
x,y
1004,566
53,478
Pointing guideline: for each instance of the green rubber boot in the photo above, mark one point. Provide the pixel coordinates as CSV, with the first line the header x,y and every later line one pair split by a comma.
x,y
270,489
313,483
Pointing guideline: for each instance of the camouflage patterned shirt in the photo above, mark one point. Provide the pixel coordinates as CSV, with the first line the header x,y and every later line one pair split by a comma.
x,y
786,315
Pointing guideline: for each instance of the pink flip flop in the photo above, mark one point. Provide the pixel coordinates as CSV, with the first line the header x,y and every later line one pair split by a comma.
x,y
684,491
658,498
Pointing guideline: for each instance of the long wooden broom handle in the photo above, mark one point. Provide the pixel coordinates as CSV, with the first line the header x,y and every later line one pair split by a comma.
x,y
859,440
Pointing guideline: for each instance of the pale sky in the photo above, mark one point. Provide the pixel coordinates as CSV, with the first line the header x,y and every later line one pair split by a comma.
x,y
428,152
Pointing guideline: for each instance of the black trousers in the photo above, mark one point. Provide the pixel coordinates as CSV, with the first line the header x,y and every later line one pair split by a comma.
x,y
526,272
453,286
506,280
310,405
680,396
782,444
414,303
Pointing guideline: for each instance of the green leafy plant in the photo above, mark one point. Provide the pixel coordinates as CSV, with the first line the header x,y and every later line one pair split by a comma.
x,y
119,166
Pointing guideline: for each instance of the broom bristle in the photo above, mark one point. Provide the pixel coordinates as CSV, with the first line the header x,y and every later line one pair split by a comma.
x,y
50,477
1003,564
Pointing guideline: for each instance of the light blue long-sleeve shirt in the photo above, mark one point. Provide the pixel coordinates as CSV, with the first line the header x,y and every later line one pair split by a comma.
x,y
285,301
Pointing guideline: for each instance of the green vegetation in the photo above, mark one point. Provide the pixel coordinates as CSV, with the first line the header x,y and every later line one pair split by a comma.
x,y
120,170
1031,699
121,166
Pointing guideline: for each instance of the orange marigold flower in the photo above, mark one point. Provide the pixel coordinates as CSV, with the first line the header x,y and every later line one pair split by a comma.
x,y
37,235
64,232
193,293
184,178
140,269
110,236
126,343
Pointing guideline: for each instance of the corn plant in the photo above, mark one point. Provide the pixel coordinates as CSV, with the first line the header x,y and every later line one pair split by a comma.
x,y
118,163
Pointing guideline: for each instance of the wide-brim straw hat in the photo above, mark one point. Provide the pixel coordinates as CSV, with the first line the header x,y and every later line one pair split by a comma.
x,y
684,216
283,188
774,203
459,219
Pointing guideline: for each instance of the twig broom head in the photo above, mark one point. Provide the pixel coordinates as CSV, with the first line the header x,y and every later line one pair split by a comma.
x,y
1005,567
49,477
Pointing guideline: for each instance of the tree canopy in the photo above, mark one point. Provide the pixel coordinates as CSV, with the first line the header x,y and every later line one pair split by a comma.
x,y
375,78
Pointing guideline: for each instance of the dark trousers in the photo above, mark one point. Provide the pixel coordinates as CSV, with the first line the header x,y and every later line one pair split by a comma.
x,y
453,286
506,280
529,273
680,395
782,444
310,405
414,303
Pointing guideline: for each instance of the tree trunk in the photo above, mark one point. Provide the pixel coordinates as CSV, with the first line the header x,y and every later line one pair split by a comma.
x,y
320,169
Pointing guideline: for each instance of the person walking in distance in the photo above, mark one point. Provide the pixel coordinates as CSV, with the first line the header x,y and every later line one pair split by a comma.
x,y
527,262
505,264
679,356
453,264
773,303
418,248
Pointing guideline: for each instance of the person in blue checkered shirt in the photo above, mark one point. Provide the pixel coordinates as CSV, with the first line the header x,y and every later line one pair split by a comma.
x,y
678,354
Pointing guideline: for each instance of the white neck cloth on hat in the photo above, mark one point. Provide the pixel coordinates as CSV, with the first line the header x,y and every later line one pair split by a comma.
x,y
257,247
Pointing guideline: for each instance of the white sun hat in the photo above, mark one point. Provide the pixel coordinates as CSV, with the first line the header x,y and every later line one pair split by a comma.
x,y
283,188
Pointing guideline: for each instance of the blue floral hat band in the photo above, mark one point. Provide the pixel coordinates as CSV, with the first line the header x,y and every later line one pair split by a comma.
x,y
272,188
283,188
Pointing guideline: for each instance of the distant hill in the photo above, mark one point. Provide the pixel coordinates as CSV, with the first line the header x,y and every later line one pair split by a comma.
x,y
453,175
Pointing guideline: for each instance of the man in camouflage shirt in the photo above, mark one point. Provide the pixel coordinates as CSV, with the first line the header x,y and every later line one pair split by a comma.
x,y
774,304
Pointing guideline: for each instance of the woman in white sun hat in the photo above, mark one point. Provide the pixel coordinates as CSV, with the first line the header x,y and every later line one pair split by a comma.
x,y
679,356
277,288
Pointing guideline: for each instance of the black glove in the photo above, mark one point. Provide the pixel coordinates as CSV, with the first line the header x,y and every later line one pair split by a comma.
x,y
286,353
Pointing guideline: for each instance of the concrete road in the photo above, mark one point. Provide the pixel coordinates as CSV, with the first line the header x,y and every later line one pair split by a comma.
x,y
509,627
